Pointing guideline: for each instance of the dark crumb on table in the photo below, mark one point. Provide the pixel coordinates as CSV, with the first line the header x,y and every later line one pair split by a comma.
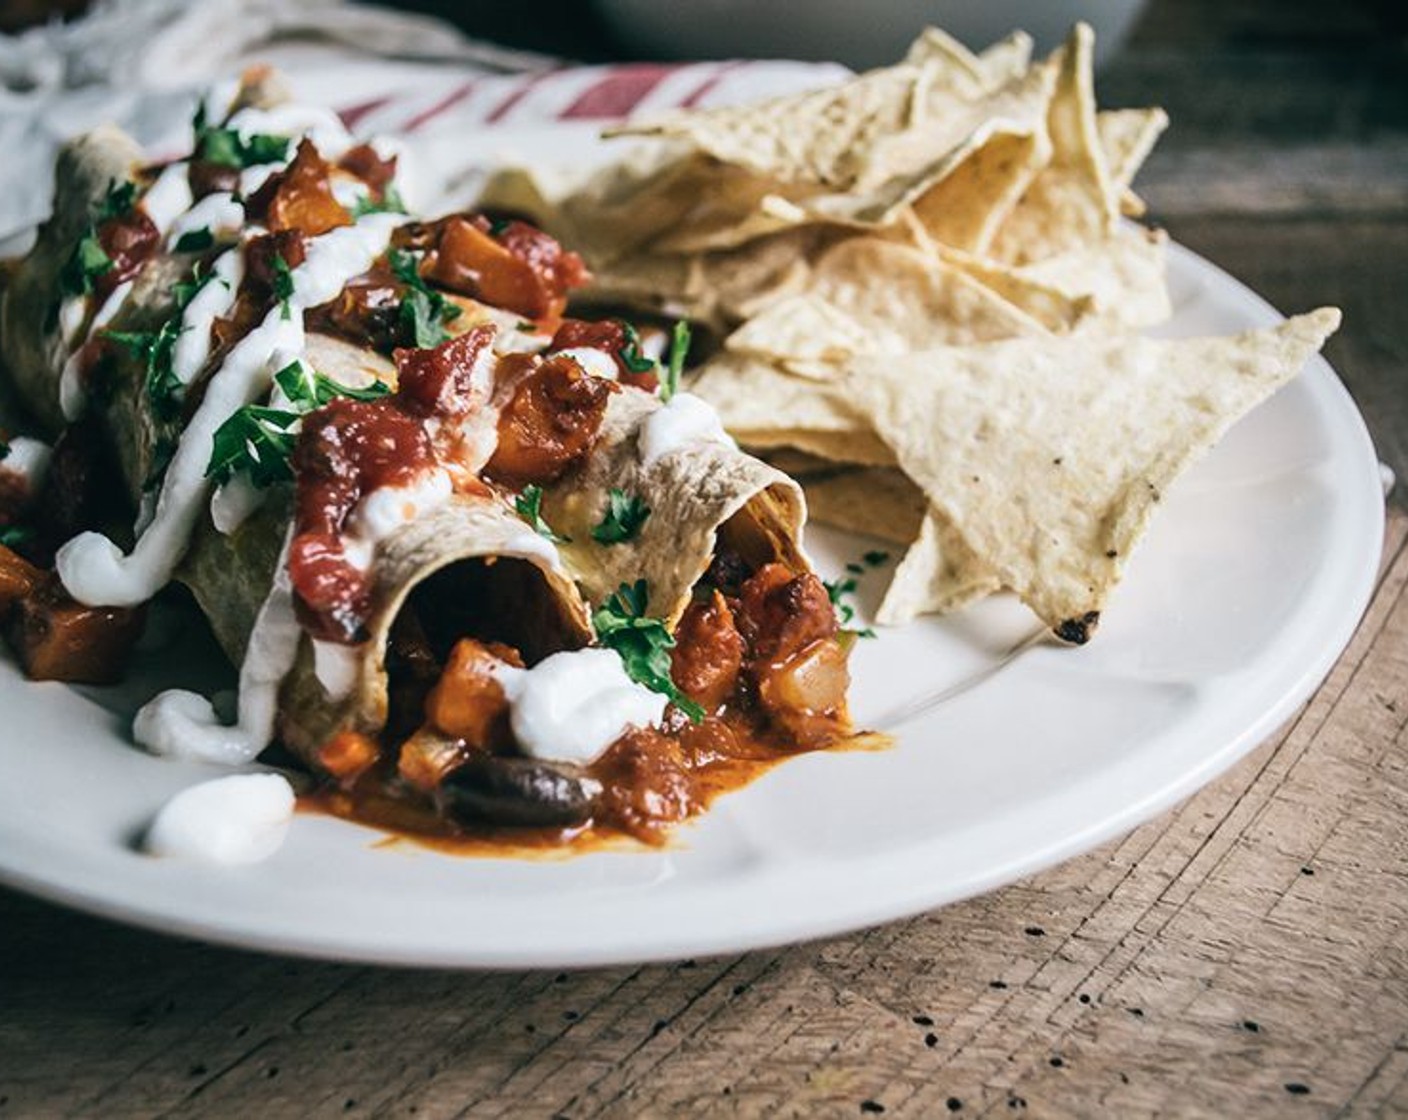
x,y
931,1040
871,1106
1137,1012
1251,1025
1084,997
1034,931
1000,985
954,1104
1057,1061
922,1021
1297,1089
1307,871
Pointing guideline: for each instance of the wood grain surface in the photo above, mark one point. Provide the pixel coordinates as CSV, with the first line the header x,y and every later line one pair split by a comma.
x,y
1243,955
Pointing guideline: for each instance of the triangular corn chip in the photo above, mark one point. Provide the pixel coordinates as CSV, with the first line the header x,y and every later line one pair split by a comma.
x,y
1048,456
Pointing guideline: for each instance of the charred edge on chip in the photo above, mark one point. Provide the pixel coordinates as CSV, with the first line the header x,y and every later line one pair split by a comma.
x,y
1077,631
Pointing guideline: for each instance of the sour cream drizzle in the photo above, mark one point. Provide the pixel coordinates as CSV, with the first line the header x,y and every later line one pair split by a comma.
x,y
73,395
684,421
183,724
92,568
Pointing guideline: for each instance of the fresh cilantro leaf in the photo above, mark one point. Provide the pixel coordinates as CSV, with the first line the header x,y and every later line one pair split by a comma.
x,y
529,506
527,326
283,285
625,514
875,558
839,592
498,226
226,147
255,439
195,241
390,203
262,148
855,569
308,389
154,348
86,264
424,311
14,535
419,320
118,201
679,350
630,353
642,643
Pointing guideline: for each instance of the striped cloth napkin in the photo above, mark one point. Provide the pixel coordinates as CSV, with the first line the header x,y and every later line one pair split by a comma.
x,y
462,106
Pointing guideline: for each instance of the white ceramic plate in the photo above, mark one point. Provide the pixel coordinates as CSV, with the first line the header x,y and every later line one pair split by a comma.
x,y
1010,756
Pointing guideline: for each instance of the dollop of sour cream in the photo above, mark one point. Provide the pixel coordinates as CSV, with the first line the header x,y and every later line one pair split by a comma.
x,y
571,706
683,421
243,818
29,460
597,363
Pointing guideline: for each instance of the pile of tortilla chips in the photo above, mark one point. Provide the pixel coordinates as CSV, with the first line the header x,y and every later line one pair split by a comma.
x,y
929,290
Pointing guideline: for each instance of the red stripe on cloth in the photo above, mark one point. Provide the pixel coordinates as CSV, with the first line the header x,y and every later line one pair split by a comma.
x,y
618,92
454,97
708,85
354,113
501,109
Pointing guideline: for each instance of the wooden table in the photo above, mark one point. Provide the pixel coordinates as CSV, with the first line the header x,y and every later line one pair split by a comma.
x,y
1245,954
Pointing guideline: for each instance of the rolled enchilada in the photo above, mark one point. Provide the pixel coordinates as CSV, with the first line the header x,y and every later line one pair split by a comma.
x,y
467,557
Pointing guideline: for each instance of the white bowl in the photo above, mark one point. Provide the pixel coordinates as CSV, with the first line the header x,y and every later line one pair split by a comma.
x,y
860,34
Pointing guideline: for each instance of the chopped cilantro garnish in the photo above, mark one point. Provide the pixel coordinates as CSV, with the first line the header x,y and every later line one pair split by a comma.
x,y
642,643
625,514
308,389
88,262
527,326
875,558
154,348
195,241
14,535
119,200
260,439
855,569
255,439
283,286
498,226
424,311
390,203
839,592
630,353
529,506
679,350
226,147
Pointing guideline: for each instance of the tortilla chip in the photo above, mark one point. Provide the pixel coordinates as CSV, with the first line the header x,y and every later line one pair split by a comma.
x,y
1122,276
878,501
869,296
1006,58
858,447
939,573
1126,137
1072,201
1048,456
966,207
1057,310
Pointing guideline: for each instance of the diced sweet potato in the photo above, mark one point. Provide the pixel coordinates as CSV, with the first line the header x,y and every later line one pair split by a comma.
x,y
57,639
